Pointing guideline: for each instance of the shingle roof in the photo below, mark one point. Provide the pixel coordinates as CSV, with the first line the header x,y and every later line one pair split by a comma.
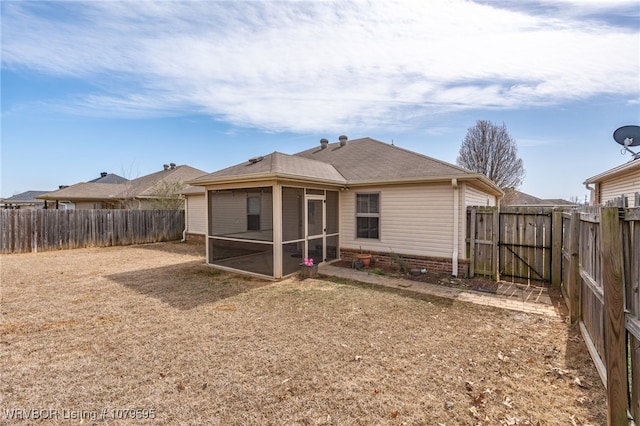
x,y
278,164
86,191
359,161
367,159
517,198
109,178
143,186
25,197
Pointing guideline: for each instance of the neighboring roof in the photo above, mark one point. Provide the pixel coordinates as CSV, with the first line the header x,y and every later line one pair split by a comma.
x,y
109,178
359,161
517,198
611,173
142,187
27,197
559,202
86,191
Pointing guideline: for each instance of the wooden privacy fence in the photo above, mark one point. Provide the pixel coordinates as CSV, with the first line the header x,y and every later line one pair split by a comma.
x,y
41,230
515,242
601,282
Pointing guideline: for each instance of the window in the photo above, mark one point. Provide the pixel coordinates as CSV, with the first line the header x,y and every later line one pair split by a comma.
x,y
253,213
368,216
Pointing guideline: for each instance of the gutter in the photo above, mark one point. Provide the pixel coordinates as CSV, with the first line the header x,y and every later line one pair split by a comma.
x,y
258,177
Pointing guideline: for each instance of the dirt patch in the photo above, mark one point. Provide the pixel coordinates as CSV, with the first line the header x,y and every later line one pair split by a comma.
x,y
152,328
477,283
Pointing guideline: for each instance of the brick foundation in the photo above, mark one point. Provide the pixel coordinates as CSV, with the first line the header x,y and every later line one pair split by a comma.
x,y
196,238
439,264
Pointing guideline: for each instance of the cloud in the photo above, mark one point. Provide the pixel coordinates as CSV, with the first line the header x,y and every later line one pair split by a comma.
x,y
321,66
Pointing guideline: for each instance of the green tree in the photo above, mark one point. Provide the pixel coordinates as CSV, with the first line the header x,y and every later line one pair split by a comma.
x,y
490,150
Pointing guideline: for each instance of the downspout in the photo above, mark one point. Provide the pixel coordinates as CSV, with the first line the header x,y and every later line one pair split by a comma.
x,y
592,194
456,224
186,220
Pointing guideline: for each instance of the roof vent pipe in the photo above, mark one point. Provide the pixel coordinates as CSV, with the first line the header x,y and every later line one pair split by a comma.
x,y
323,143
172,165
165,166
103,174
343,140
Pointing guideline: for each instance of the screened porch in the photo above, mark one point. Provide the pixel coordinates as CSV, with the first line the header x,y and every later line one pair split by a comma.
x,y
269,230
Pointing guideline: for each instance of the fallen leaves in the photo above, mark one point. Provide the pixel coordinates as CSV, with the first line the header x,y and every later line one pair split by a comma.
x,y
507,402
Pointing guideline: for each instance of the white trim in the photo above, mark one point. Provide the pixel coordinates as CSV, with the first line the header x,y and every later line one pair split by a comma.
x,y
276,224
456,227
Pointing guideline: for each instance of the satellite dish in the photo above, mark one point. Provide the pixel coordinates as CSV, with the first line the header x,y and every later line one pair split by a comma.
x,y
628,136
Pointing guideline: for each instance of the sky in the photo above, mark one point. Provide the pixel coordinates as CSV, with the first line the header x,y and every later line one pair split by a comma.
x,y
125,87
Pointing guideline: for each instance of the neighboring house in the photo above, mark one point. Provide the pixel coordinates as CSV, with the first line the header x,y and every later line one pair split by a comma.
x,y
513,197
620,181
146,192
336,200
26,200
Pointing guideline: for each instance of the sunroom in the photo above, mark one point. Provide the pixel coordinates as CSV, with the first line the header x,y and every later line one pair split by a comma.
x,y
265,217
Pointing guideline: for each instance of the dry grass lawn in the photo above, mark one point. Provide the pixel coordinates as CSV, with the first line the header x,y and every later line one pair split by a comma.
x,y
150,327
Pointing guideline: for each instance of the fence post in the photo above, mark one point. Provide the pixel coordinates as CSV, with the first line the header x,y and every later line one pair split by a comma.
x,y
614,327
573,284
556,248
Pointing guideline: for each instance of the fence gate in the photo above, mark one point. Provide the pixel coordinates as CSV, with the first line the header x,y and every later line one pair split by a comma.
x,y
524,243
515,243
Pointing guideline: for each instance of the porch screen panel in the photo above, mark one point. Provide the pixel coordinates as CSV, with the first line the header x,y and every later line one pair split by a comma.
x,y
315,222
332,212
245,214
292,257
332,248
242,255
227,212
292,214
316,248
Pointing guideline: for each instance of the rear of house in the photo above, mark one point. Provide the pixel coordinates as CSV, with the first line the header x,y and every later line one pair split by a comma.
x,y
336,200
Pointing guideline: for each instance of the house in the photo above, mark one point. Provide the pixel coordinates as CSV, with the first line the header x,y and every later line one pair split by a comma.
x,y
513,197
621,181
156,190
26,200
334,201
